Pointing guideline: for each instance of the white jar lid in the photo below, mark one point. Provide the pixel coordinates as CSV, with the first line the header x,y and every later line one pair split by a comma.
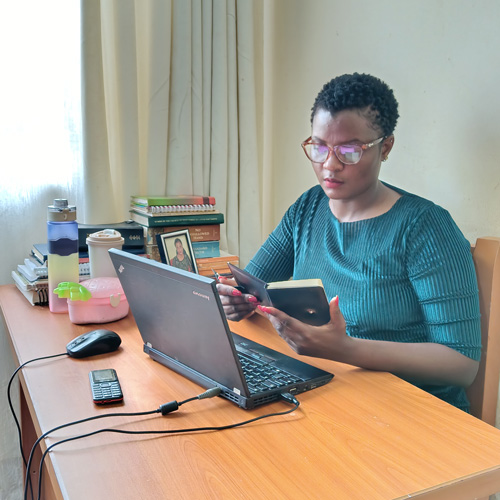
x,y
105,237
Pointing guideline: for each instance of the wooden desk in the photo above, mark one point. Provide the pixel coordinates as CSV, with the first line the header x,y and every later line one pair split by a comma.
x,y
366,435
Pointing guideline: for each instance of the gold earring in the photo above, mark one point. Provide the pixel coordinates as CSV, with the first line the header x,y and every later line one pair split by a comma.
x,y
385,158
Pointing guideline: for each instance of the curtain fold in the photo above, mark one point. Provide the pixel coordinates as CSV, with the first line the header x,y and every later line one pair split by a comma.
x,y
170,108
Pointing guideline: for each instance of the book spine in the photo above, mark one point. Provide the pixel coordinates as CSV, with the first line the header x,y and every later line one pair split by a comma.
x,y
35,297
153,252
223,270
203,249
172,209
216,263
83,255
39,251
208,232
133,236
177,220
173,200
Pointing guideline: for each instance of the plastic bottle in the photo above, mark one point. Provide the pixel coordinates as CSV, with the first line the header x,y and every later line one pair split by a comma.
x,y
62,260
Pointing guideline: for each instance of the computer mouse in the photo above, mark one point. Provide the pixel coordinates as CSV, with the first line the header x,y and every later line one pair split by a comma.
x,y
93,342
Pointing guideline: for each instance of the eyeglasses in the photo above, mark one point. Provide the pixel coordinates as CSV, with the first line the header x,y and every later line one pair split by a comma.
x,y
346,153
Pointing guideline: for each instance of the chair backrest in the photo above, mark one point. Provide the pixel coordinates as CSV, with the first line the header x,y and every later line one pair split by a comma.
x,y
484,391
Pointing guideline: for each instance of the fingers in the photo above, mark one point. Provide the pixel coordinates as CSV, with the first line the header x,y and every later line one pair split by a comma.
x,y
280,321
336,317
334,307
236,304
228,290
227,281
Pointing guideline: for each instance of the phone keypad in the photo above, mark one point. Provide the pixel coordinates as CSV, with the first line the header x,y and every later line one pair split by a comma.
x,y
106,391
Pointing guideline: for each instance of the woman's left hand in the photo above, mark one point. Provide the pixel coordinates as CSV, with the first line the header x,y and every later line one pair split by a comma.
x,y
326,341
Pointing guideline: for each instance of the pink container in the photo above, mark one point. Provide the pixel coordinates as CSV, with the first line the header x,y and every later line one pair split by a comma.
x,y
108,302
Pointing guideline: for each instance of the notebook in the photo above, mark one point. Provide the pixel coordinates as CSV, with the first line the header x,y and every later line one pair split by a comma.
x,y
183,326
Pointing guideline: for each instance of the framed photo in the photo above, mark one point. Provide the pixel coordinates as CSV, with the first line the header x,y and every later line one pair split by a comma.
x,y
176,250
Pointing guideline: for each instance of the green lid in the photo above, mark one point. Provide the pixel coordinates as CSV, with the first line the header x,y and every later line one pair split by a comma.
x,y
72,291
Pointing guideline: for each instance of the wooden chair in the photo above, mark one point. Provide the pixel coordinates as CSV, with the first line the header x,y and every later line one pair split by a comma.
x,y
483,393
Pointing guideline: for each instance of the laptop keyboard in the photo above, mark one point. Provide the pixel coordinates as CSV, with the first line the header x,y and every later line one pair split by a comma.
x,y
262,377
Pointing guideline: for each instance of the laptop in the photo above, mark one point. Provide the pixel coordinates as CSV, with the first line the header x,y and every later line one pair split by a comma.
x,y
183,326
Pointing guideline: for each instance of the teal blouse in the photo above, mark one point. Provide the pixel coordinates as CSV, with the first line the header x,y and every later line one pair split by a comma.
x,y
404,276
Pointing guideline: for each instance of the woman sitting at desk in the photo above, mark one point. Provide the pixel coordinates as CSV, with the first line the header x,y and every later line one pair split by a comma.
x,y
397,269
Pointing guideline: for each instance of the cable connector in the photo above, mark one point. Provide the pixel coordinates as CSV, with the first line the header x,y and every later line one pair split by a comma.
x,y
169,407
166,408
289,398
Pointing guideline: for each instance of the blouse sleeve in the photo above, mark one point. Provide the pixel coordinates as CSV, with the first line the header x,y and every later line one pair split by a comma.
x,y
274,261
441,270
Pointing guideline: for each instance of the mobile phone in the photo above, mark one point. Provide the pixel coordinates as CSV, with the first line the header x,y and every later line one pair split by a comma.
x,y
105,386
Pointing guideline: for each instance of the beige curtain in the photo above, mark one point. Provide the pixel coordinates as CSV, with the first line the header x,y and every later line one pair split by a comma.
x,y
171,93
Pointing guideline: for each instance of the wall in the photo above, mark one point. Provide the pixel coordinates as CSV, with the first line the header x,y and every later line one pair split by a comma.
x,y
438,58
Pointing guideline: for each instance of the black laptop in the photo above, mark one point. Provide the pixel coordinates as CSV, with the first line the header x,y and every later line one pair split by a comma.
x,y
183,326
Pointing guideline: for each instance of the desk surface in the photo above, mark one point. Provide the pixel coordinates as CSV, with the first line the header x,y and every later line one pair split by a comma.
x,y
366,435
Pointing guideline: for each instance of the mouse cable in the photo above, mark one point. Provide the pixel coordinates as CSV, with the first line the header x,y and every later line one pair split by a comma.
x,y
289,398
164,409
11,406
10,399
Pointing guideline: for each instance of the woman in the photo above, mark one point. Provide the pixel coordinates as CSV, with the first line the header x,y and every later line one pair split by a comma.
x,y
181,260
396,267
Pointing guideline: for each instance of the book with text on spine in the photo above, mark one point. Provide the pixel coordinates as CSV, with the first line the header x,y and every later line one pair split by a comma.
x,y
205,232
185,199
178,219
203,249
131,232
304,300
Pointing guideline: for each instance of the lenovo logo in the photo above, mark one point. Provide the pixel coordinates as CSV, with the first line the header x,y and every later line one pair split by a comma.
x,y
203,296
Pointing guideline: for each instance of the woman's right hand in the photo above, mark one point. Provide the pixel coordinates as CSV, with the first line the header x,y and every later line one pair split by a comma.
x,y
236,305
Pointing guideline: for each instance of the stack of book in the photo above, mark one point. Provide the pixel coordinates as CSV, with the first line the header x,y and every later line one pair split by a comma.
x,y
31,277
198,214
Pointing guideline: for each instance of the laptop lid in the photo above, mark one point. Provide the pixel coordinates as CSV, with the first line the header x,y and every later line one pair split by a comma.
x,y
183,326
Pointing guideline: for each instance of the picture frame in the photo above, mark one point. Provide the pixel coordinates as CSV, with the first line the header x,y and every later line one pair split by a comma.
x,y
169,247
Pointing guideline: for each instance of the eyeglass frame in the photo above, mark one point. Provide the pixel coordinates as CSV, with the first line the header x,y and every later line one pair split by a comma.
x,y
363,147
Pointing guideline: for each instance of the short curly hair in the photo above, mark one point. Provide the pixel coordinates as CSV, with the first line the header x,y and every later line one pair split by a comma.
x,y
360,91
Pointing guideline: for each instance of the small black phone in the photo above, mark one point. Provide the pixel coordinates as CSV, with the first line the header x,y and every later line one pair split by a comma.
x,y
105,386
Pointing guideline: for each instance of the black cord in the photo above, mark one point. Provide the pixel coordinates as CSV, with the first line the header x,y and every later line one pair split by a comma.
x,y
11,406
163,409
10,400
286,397
95,417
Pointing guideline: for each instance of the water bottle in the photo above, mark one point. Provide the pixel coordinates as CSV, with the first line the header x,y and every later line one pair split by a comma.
x,y
62,260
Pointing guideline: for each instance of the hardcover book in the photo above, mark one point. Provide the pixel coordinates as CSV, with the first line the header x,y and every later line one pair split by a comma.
x,y
219,264
156,210
304,300
40,252
164,200
153,253
131,232
205,232
203,249
177,219
37,294
84,254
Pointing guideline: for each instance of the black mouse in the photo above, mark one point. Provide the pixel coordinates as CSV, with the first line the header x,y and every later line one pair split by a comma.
x,y
92,343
